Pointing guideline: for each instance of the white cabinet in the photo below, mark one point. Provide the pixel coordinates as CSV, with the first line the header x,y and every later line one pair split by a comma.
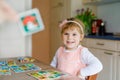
x,y
118,68
118,63
118,46
99,2
107,52
108,60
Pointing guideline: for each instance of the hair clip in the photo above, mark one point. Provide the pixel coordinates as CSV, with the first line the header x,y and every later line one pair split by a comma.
x,y
62,23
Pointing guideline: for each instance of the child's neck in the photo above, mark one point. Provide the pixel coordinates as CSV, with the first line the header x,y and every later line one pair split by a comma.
x,y
71,49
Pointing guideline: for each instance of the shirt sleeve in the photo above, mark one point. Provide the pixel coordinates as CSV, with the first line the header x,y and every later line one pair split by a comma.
x,y
54,61
93,64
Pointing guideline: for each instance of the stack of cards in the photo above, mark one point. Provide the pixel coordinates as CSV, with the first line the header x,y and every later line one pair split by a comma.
x,y
26,59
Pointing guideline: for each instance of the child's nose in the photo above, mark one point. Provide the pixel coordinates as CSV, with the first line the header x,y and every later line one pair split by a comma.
x,y
69,36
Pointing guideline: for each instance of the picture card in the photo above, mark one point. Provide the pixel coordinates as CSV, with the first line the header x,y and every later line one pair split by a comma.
x,y
31,22
47,74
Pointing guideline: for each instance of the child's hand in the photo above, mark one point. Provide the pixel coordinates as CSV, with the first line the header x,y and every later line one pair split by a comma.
x,y
80,76
7,13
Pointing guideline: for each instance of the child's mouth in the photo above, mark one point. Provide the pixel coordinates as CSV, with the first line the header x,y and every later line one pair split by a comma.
x,y
70,42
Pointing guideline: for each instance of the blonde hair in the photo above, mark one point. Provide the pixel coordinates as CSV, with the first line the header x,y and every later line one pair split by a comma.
x,y
73,24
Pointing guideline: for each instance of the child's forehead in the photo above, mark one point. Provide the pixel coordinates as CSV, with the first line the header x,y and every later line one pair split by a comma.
x,y
71,30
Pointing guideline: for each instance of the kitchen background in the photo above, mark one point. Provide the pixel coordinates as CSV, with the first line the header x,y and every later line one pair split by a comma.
x,y
43,45
110,14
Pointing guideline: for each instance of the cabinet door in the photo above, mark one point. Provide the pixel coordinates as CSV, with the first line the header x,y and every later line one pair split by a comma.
x,y
118,68
40,40
107,59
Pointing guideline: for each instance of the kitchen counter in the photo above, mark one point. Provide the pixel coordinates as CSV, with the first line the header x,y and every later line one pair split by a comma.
x,y
108,37
24,76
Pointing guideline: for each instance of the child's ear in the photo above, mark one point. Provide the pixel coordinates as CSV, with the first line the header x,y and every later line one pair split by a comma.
x,y
81,37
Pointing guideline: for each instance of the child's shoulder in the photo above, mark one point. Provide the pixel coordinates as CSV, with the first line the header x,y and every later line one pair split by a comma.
x,y
82,47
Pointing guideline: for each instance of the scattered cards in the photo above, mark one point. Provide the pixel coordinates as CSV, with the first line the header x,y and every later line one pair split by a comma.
x,y
8,65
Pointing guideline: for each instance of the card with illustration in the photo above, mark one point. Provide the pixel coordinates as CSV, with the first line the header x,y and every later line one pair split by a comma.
x,y
25,68
31,22
3,63
47,74
17,69
32,66
5,70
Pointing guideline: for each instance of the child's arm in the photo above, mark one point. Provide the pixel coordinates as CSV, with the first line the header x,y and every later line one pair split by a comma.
x,y
54,61
93,63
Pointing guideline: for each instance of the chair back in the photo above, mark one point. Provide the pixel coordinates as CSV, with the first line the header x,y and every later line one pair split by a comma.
x,y
92,77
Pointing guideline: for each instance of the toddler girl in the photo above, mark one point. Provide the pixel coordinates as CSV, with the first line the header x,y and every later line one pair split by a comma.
x,y
72,57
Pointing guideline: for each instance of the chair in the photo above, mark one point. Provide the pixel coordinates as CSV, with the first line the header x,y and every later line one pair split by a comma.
x,y
92,77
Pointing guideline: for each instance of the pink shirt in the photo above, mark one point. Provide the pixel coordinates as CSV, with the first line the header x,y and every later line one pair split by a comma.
x,y
93,64
70,61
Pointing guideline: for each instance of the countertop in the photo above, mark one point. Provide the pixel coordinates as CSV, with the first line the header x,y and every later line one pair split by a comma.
x,y
107,37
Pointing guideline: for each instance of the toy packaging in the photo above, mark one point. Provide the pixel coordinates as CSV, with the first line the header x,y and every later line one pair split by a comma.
x,y
25,59
31,22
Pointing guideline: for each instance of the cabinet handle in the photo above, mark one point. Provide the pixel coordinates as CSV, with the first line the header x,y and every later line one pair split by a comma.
x,y
99,43
93,0
108,53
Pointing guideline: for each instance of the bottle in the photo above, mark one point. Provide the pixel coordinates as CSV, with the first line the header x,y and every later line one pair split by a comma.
x,y
102,29
94,27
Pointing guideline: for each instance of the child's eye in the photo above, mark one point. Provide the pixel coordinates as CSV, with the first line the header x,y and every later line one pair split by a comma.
x,y
74,34
65,33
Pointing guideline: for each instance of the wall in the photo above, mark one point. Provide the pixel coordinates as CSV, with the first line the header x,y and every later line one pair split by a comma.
x,y
111,14
12,42
77,4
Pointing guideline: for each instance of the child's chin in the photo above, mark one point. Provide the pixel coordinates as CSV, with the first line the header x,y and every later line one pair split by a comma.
x,y
71,48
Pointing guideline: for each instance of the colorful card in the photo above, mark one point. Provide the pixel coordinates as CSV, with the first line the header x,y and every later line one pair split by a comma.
x,y
25,68
31,22
5,70
3,63
47,74
17,69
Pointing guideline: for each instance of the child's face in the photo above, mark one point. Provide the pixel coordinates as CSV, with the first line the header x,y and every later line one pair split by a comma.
x,y
71,38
